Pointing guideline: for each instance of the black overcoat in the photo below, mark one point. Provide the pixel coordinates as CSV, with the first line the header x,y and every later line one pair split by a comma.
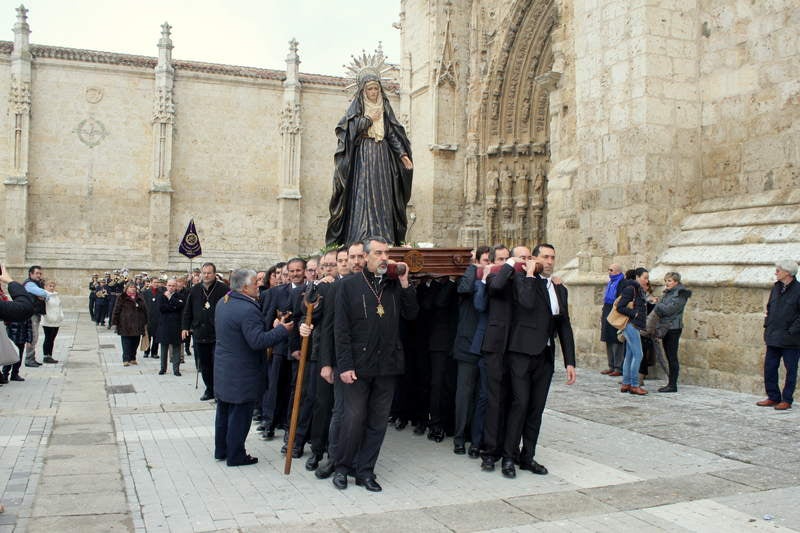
x,y
240,360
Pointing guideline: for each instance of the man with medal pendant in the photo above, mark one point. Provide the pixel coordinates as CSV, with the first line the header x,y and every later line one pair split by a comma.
x,y
369,355
198,321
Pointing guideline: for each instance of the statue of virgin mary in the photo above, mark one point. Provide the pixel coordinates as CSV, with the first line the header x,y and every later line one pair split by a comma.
x,y
373,169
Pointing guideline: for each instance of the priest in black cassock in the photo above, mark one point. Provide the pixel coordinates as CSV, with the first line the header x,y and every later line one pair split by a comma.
x,y
369,356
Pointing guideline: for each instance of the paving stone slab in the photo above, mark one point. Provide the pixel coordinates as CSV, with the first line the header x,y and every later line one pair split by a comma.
x,y
664,491
480,515
80,483
762,477
79,465
560,505
394,521
89,503
83,523
82,439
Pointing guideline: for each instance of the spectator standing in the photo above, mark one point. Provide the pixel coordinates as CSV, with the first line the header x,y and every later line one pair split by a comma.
x,y
634,291
782,336
35,286
51,321
615,350
130,317
670,319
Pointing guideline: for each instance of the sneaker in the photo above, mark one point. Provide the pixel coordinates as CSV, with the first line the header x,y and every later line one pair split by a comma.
x,y
34,364
126,364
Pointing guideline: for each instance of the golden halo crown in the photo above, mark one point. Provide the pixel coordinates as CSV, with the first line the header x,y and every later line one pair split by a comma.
x,y
366,67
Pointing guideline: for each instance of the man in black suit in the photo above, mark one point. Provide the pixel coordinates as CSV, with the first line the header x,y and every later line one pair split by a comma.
x,y
500,294
539,312
369,358
278,302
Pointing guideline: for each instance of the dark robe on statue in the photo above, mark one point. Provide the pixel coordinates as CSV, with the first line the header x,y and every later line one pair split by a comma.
x,y
371,188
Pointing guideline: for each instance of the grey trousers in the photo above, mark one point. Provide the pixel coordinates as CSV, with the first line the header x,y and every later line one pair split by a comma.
x,y
30,349
616,355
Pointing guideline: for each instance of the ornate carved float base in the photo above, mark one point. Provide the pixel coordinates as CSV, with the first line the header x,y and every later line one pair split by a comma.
x,y
433,261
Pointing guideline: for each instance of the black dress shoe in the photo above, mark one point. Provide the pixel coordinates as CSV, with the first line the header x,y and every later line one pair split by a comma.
x,y
436,435
400,424
667,388
50,360
370,484
35,364
17,378
297,453
419,429
248,460
313,461
283,449
473,452
325,470
162,372
508,468
206,396
487,464
261,427
269,435
177,373
534,467
3,379
459,449
339,480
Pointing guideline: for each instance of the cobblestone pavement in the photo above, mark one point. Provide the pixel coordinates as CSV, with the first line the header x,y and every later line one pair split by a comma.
x,y
91,445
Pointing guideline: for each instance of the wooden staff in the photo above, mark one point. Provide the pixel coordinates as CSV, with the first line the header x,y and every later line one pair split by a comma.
x,y
309,300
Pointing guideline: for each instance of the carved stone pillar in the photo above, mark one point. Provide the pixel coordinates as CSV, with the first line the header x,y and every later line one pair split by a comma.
x,y
291,128
163,121
16,181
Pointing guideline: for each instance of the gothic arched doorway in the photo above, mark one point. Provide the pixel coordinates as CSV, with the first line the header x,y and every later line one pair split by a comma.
x,y
512,152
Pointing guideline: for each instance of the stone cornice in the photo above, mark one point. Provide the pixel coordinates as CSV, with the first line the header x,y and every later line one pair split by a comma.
x,y
136,61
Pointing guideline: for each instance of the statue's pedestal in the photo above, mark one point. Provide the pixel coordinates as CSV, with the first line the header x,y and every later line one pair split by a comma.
x,y
433,261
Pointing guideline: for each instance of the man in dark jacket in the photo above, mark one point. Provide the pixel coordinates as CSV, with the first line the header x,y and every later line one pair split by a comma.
x,y
150,296
240,365
198,320
782,336
369,358
278,302
468,317
500,294
615,350
539,313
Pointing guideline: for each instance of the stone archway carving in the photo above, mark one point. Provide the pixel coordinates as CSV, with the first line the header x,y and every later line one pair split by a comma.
x,y
508,157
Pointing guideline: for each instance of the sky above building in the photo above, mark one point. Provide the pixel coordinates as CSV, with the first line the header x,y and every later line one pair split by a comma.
x,y
252,33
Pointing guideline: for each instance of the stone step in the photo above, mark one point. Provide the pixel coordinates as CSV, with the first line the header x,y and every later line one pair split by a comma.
x,y
738,235
727,254
752,216
746,201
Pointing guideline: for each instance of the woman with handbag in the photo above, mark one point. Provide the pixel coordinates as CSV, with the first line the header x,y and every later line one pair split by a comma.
x,y
670,313
633,291
130,317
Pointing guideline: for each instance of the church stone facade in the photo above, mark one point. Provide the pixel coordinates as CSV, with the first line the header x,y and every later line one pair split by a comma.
x,y
657,133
